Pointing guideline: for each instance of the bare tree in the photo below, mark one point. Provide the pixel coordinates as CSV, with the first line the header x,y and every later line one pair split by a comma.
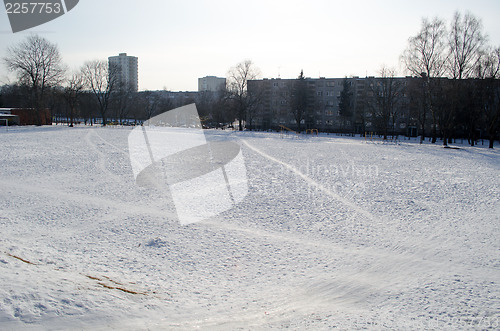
x,y
426,52
122,102
466,44
38,65
72,92
102,80
300,100
387,94
426,57
151,103
237,83
489,72
489,64
346,104
255,98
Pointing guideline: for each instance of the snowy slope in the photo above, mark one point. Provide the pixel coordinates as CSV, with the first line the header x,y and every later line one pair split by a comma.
x,y
334,232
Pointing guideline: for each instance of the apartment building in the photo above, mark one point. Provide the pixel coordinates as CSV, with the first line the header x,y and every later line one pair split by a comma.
x,y
211,84
376,104
127,67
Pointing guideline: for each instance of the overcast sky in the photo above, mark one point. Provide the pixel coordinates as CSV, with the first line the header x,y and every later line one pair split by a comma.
x,y
178,41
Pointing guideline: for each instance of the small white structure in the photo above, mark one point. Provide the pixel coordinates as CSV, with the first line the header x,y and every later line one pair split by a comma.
x,y
6,117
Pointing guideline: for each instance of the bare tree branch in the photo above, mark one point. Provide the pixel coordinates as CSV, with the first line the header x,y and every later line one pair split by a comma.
x,y
102,80
38,65
466,44
237,83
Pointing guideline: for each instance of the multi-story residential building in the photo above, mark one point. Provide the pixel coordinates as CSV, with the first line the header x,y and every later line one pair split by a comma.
x,y
179,99
127,70
211,84
374,105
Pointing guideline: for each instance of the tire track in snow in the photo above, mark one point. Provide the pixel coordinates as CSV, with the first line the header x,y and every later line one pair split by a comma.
x,y
315,184
118,149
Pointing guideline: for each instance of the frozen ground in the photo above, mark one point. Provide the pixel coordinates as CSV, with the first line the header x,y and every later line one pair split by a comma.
x,y
334,233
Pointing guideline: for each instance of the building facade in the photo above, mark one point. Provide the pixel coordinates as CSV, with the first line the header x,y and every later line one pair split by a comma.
x,y
127,70
374,105
211,84
26,116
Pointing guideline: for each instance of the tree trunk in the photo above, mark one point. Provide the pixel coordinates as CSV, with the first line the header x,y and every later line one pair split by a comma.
x,y
71,117
103,115
422,137
445,138
434,133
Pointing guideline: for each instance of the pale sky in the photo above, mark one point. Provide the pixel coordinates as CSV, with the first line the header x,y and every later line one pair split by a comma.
x,y
178,41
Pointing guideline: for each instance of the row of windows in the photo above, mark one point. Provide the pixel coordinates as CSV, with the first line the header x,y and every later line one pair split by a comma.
x,y
328,112
333,94
318,93
329,103
330,122
347,123
283,84
327,122
328,93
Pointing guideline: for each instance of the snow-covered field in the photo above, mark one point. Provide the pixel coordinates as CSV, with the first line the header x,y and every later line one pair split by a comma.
x,y
334,233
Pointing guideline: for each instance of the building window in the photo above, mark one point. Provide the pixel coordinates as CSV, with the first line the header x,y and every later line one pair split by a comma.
x,y
319,93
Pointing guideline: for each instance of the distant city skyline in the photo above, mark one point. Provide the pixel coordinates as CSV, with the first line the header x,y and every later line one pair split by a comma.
x,y
178,42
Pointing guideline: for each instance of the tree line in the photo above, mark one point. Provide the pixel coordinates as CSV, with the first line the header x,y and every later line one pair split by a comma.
x,y
454,88
95,94
92,93
469,100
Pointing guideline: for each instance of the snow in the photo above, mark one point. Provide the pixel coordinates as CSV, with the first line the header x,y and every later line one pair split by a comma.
x,y
335,232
